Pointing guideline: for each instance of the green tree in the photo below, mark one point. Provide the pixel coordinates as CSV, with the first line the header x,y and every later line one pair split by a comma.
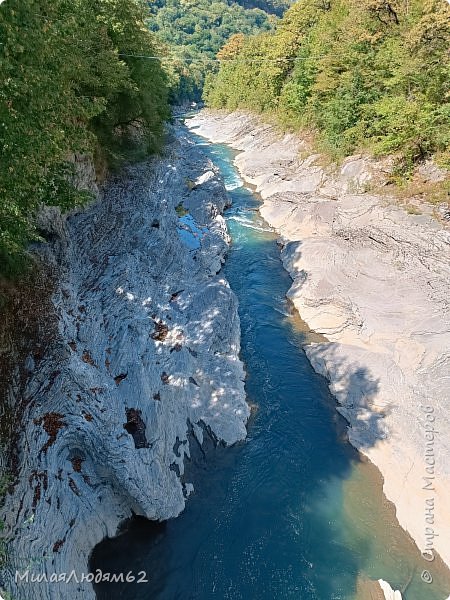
x,y
367,74
67,90
194,31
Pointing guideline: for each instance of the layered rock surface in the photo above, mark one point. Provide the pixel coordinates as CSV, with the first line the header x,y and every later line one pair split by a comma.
x,y
376,282
144,362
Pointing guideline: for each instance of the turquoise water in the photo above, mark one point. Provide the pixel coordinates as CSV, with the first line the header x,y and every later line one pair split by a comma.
x,y
267,518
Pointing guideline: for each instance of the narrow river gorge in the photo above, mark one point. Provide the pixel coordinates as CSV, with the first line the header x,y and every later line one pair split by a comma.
x,y
294,511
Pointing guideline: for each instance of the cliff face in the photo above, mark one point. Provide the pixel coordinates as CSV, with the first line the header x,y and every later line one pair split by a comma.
x,y
376,282
143,358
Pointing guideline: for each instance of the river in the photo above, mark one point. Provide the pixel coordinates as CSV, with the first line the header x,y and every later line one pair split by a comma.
x,y
293,512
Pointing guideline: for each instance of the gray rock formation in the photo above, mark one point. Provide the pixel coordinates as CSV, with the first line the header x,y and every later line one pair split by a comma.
x,y
376,282
145,354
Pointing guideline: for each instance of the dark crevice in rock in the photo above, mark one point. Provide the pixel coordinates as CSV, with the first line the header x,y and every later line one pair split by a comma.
x,y
73,486
175,295
77,462
119,378
135,426
176,469
176,447
58,544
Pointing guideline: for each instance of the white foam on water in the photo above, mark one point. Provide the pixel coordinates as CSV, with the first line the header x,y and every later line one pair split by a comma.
x,y
249,224
233,181
233,186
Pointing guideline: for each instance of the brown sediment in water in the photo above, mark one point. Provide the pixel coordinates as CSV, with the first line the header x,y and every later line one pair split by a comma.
x,y
369,515
370,518
301,327
307,337
398,344
367,589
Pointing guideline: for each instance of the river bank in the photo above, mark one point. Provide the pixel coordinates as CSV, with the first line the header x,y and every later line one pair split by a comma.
x,y
142,366
374,280
294,511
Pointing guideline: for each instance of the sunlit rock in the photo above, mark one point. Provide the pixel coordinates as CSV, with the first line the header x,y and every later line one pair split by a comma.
x,y
144,358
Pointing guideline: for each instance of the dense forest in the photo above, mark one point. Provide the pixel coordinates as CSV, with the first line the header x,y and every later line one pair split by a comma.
x,y
276,7
358,74
83,77
194,31
66,89
76,80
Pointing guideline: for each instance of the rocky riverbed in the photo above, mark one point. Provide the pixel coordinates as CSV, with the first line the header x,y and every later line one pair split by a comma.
x,y
375,281
142,366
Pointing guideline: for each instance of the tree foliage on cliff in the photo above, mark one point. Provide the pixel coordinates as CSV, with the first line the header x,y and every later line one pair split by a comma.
x,y
66,90
195,30
367,74
276,7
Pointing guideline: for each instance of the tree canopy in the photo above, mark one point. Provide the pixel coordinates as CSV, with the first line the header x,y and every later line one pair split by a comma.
x,y
68,88
370,74
276,7
194,31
